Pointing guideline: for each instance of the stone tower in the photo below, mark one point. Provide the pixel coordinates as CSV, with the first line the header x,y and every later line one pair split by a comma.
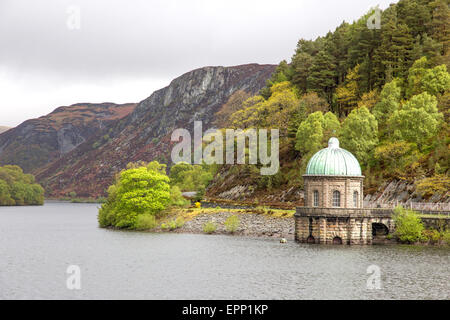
x,y
333,179
333,212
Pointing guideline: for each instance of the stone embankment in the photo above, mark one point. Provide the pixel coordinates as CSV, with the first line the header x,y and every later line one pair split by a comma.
x,y
251,224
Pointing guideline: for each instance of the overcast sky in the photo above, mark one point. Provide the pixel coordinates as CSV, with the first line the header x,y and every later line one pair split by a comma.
x,y
123,50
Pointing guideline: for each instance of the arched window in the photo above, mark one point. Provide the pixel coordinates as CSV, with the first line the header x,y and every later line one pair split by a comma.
x,y
355,199
336,198
316,198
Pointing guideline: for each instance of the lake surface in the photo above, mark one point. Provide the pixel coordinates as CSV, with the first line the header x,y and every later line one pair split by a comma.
x,y
38,244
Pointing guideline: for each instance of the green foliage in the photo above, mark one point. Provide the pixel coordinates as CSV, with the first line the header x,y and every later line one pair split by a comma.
x,y
436,81
209,227
446,237
173,224
347,93
136,191
17,188
417,121
275,112
359,134
189,177
176,198
415,77
397,157
232,223
314,132
145,222
437,184
388,104
408,226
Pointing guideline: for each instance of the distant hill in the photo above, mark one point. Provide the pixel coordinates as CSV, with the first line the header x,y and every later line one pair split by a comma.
x,y
80,148
3,129
36,142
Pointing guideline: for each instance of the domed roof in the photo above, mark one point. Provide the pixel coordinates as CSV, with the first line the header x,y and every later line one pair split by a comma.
x,y
333,161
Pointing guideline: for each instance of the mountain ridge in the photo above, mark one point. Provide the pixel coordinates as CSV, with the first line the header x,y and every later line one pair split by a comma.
x,y
144,134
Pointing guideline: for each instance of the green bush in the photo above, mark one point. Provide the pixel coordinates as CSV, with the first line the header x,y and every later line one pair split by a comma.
x,y
136,191
408,226
209,227
179,222
177,199
145,222
232,223
446,237
173,224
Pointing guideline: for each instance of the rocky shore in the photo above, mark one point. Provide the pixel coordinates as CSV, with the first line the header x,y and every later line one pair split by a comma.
x,y
251,224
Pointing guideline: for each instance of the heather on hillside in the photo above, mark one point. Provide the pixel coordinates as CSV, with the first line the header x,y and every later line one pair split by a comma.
x,y
19,189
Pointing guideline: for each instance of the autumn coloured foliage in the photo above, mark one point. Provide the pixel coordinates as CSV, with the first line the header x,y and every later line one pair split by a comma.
x,y
385,93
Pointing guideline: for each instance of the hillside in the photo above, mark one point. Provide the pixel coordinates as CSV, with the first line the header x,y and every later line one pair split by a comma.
x,y
145,133
385,93
3,129
36,142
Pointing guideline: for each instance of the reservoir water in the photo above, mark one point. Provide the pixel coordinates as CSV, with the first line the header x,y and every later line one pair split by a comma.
x,y
38,244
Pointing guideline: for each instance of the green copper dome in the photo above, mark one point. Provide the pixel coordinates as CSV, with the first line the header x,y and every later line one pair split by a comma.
x,y
333,161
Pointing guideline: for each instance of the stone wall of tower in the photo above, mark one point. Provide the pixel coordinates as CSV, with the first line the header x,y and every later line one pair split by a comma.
x,y
326,185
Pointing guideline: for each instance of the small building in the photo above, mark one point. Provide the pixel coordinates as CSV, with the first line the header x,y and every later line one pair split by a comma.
x,y
333,212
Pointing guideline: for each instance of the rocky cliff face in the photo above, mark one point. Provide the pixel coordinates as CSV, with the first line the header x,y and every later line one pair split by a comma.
x,y
37,142
145,133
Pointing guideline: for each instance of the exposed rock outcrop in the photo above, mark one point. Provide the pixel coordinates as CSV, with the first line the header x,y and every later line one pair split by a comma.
x,y
145,133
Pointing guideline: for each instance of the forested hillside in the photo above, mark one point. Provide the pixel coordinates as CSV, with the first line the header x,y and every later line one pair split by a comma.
x,y
384,92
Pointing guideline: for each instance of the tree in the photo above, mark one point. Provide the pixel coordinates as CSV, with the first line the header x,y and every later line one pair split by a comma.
x,y
389,103
310,134
415,76
137,191
322,75
347,94
189,177
369,99
309,103
440,23
234,103
397,158
275,112
408,226
283,72
436,81
359,134
301,63
418,121
314,132
17,188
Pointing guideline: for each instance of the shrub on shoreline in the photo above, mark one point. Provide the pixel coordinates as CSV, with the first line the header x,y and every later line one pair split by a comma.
x,y
145,222
232,223
408,226
209,227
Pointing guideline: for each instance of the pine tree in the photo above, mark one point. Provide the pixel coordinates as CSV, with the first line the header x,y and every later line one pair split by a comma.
x,y
440,24
322,74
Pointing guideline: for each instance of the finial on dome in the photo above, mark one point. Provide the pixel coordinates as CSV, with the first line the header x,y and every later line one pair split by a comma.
x,y
333,142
